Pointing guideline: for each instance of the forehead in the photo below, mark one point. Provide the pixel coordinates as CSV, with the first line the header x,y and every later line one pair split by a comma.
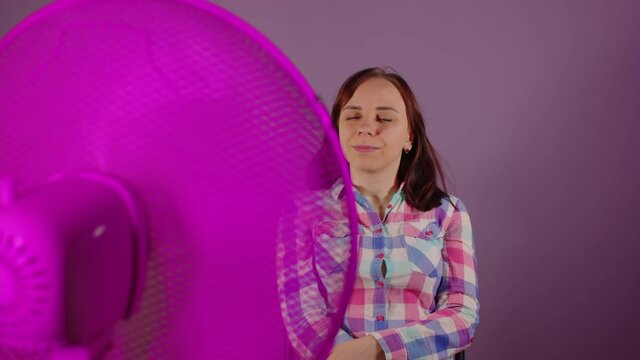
x,y
377,92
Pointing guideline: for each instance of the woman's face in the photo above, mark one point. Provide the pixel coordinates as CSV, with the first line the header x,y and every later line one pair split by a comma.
x,y
373,127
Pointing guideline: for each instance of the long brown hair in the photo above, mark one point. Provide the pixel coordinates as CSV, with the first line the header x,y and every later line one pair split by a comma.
x,y
419,168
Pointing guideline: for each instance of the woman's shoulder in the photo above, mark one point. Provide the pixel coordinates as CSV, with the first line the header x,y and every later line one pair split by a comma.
x,y
451,203
447,205
331,195
322,203
451,210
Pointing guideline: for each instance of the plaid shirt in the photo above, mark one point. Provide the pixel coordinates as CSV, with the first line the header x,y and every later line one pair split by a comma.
x,y
425,306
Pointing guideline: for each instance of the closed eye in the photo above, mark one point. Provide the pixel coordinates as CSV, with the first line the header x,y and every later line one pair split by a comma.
x,y
377,117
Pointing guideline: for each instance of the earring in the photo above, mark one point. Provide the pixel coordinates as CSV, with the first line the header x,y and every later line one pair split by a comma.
x,y
406,151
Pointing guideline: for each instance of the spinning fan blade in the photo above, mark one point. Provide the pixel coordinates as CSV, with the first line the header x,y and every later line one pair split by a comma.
x,y
227,147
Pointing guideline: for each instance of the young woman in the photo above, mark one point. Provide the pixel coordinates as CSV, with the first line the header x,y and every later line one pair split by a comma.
x,y
416,290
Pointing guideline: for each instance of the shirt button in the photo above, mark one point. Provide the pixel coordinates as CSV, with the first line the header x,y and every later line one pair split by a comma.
x,y
380,283
380,256
380,317
379,231
389,206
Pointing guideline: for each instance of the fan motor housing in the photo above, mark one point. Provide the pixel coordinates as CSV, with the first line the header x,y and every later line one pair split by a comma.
x,y
69,257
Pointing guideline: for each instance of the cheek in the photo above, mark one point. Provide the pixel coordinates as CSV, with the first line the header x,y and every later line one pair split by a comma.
x,y
398,138
343,135
344,143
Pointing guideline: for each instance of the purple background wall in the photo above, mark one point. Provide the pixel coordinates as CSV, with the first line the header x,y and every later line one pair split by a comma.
x,y
534,107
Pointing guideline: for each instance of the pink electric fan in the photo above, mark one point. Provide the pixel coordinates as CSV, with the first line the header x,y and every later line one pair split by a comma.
x,y
160,160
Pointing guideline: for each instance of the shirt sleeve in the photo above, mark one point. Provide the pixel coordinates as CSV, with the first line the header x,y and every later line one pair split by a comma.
x,y
451,327
308,305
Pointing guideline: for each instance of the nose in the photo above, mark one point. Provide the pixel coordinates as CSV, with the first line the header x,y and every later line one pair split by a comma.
x,y
367,126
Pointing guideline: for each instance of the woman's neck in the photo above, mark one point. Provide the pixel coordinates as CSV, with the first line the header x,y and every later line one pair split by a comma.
x,y
378,188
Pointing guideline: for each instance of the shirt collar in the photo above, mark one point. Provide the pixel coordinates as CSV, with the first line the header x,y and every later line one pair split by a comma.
x,y
338,188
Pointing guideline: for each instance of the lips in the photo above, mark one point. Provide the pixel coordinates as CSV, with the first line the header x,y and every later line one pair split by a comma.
x,y
365,148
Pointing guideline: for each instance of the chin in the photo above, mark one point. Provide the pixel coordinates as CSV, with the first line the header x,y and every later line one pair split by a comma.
x,y
366,167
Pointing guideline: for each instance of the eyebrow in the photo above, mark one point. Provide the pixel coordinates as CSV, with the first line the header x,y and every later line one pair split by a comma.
x,y
353,107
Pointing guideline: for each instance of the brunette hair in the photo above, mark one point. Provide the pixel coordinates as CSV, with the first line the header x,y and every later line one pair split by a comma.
x,y
419,168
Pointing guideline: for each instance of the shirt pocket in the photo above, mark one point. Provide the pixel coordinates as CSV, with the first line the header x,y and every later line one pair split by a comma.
x,y
331,246
423,244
